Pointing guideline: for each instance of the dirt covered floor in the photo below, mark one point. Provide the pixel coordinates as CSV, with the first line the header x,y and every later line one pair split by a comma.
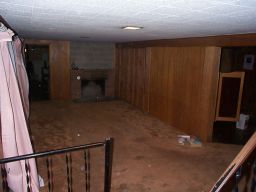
x,y
147,156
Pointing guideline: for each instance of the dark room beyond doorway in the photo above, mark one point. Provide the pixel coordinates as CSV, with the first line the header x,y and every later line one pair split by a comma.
x,y
233,60
37,65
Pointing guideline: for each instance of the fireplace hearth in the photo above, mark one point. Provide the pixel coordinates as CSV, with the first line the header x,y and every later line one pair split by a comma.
x,y
92,85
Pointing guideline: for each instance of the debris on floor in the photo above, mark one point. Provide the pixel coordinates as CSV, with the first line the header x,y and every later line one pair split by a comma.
x,y
55,124
182,139
191,141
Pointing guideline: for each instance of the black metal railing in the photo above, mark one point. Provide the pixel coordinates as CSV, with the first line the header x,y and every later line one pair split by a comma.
x,y
108,155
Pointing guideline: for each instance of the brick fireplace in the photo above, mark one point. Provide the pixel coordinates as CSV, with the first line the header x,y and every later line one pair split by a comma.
x,y
92,83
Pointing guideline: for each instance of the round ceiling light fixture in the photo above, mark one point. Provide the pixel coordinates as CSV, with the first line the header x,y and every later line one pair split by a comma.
x,y
131,28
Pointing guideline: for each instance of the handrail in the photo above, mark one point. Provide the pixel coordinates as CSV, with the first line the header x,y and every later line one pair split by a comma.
x,y
108,157
51,152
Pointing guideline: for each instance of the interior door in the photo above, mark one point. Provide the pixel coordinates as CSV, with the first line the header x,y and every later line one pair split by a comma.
x,y
229,96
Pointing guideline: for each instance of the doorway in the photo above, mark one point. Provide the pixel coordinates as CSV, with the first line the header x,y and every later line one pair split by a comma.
x,y
37,66
233,60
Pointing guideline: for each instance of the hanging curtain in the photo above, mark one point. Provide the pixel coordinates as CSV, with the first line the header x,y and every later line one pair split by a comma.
x,y
14,113
21,74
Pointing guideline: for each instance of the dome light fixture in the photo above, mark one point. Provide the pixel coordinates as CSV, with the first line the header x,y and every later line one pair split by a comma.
x,y
132,28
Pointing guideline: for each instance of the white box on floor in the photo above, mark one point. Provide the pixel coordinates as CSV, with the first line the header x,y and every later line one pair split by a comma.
x,y
243,122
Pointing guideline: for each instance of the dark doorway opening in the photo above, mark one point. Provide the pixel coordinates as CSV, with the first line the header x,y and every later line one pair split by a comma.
x,y
37,66
239,59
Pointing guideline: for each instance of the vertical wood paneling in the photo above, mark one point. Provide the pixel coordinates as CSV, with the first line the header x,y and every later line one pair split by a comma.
x,y
140,80
123,73
147,65
132,76
158,94
176,84
187,101
209,91
117,71
59,70
137,69
128,79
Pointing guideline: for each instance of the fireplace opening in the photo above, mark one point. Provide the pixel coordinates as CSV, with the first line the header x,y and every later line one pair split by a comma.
x,y
93,89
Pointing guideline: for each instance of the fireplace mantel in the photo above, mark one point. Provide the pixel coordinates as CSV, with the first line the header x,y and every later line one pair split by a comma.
x,y
91,74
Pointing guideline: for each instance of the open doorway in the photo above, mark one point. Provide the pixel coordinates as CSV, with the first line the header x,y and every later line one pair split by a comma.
x,y
239,59
37,66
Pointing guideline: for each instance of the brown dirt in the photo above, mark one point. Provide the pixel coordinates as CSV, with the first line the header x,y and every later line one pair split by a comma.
x,y
146,154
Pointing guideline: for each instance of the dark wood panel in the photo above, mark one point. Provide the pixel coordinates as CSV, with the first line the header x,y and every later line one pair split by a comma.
x,y
176,84
184,94
158,91
220,41
60,70
123,74
136,81
128,84
117,71
147,64
209,92
131,76
139,78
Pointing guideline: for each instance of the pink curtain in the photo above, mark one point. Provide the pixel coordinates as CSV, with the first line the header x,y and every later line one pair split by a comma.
x,y
21,76
15,136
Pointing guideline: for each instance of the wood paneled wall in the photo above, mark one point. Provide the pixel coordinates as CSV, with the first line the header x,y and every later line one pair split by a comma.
x,y
59,64
181,80
209,91
181,84
132,76
220,41
60,70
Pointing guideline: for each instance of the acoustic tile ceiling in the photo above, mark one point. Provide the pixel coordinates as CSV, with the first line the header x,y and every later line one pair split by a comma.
x,y
101,20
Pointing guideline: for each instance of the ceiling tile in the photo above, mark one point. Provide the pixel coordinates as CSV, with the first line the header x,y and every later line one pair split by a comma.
x,y
102,19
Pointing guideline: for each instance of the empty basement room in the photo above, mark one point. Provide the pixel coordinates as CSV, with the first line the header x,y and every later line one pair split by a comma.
x,y
128,96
